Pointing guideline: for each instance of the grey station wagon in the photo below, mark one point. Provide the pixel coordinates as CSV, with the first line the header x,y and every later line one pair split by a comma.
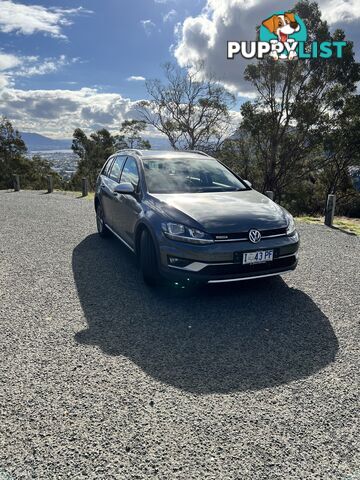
x,y
189,218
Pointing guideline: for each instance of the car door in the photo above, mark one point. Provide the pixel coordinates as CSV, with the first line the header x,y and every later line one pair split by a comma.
x,y
107,187
103,188
127,208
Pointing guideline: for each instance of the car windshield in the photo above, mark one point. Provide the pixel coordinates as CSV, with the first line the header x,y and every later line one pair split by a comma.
x,y
182,175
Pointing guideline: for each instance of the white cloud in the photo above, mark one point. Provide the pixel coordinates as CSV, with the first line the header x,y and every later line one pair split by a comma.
x,y
48,65
29,19
12,66
148,26
203,39
3,81
59,112
340,11
8,60
136,78
169,16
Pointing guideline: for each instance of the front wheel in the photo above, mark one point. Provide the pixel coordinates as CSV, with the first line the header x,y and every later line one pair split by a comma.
x,y
100,222
148,260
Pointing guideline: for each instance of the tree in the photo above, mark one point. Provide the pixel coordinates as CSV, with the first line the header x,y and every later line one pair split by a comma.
x,y
36,170
92,152
342,145
12,150
193,114
130,135
238,153
295,104
13,160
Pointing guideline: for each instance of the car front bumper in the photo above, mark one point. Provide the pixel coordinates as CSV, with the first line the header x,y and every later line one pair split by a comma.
x,y
214,263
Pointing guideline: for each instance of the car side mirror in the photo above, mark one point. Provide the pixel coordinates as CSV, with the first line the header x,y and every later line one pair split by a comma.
x,y
249,184
125,188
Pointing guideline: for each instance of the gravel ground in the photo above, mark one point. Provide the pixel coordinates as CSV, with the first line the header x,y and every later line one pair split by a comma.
x,y
102,378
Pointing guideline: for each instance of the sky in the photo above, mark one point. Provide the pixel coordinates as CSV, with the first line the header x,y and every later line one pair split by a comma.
x,y
83,63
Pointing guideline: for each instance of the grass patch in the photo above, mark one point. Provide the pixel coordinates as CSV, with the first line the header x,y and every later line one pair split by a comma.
x,y
349,225
76,194
306,219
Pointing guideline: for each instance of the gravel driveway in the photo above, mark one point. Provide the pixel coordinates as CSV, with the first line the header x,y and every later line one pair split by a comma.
x,y
102,378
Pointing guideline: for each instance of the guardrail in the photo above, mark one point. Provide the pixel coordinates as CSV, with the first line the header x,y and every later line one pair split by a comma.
x,y
16,182
50,184
85,186
330,210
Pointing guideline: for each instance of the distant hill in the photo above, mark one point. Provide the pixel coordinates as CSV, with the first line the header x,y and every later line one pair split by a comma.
x,y
35,142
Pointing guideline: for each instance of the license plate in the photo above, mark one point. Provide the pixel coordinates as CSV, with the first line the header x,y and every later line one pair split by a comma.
x,y
261,256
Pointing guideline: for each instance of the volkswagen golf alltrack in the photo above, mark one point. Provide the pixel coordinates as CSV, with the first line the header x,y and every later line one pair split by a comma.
x,y
189,218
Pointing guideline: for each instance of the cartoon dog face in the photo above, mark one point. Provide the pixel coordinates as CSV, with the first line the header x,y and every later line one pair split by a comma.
x,y
282,25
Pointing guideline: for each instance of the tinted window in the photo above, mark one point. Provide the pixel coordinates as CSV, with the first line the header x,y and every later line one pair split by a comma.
x,y
180,175
116,168
130,172
107,167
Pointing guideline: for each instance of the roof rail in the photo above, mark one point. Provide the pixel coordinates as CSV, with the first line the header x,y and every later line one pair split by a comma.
x,y
134,150
197,151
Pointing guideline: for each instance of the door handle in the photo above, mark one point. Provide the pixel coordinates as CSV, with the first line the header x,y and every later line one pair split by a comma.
x,y
119,198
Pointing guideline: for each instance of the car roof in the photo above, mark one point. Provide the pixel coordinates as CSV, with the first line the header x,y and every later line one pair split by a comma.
x,y
165,154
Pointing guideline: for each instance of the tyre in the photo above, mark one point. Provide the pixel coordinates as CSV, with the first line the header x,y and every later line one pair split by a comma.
x,y
148,260
100,222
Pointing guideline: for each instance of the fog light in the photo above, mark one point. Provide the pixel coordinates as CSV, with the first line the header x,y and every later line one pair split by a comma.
x,y
178,262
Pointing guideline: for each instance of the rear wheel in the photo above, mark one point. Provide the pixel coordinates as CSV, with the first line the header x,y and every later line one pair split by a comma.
x,y
148,260
100,222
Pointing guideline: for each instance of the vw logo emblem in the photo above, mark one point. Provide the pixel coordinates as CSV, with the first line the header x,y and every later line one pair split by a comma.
x,y
254,236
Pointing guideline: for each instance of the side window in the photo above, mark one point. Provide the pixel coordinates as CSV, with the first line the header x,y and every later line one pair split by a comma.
x,y
130,172
116,168
107,166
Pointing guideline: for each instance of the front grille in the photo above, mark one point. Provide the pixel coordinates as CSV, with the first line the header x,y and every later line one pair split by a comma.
x,y
238,268
275,231
245,235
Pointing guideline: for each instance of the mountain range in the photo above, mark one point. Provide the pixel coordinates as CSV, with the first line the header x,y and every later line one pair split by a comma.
x,y
36,142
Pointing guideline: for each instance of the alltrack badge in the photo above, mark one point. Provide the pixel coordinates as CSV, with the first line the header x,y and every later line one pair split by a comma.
x,y
254,236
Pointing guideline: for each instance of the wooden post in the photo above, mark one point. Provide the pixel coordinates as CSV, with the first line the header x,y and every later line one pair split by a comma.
x,y
269,194
330,210
16,181
85,187
50,183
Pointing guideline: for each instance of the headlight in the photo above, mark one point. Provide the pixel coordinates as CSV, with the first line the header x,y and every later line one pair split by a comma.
x,y
291,225
179,232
